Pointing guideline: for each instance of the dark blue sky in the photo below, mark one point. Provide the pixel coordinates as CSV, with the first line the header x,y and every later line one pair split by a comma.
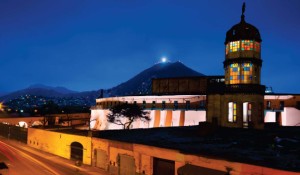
x,y
88,45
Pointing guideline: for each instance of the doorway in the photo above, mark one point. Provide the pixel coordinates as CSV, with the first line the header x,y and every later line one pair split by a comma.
x,y
76,151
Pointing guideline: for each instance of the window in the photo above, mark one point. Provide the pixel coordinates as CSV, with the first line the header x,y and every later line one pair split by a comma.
x,y
153,104
247,70
175,104
234,46
257,46
240,73
247,112
268,105
281,105
232,111
227,48
187,105
163,105
234,73
202,104
242,45
144,104
247,45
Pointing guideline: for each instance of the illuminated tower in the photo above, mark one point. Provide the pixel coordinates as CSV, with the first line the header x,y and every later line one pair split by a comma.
x,y
239,102
242,54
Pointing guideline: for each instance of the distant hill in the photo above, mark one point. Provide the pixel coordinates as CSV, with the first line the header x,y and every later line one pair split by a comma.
x,y
61,90
138,85
141,83
35,91
48,91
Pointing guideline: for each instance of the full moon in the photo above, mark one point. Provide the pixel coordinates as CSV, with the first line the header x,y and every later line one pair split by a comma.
x,y
164,59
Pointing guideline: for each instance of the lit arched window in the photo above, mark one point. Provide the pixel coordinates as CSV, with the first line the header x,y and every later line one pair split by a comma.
x,y
247,112
232,111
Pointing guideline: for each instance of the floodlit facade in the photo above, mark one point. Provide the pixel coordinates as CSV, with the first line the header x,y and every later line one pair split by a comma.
x,y
188,110
164,111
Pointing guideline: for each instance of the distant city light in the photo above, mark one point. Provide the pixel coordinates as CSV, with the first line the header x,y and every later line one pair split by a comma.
x,y
1,106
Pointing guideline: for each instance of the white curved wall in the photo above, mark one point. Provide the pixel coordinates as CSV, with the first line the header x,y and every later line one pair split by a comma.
x,y
99,120
194,117
290,117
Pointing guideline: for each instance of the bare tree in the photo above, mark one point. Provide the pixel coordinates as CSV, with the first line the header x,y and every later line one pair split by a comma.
x,y
125,114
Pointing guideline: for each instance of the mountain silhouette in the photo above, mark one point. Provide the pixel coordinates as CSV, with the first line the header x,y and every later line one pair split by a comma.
x,y
138,85
141,83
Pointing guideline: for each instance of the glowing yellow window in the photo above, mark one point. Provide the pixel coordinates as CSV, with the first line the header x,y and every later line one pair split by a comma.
x,y
232,115
247,70
234,73
234,46
234,111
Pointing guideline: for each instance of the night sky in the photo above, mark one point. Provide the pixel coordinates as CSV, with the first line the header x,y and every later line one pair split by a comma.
x,y
92,44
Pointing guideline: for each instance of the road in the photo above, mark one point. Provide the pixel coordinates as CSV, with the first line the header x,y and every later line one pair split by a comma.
x,y
24,160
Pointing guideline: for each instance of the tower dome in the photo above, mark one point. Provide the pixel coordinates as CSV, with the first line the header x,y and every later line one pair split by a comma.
x,y
243,31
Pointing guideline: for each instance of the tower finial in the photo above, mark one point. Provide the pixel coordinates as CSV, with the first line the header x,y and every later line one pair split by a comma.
x,y
243,11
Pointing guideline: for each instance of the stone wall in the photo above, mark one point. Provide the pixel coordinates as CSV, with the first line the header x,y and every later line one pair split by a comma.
x,y
143,156
58,143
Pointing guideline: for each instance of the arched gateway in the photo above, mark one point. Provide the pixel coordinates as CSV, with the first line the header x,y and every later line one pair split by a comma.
x,y
76,151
